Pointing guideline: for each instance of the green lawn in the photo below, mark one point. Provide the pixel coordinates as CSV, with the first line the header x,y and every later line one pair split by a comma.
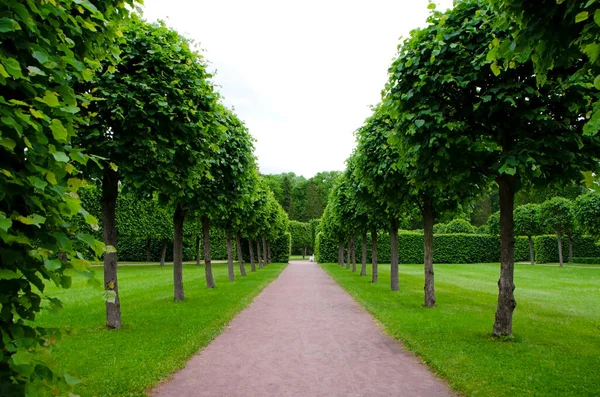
x,y
158,336
556,347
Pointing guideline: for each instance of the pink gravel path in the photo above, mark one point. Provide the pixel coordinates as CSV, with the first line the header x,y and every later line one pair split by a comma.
x,y
303,336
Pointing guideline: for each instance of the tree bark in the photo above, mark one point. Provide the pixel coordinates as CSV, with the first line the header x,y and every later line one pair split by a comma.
x,y
560,253
264,248
148,250
210,281
570,238
394,281
304,253
251,250
110,192
230,268
163,254
353,253
258,254
178,220
531,255
341,253
428,220
197,250
506,286
374,269
349,256
238,242
363,267
269,257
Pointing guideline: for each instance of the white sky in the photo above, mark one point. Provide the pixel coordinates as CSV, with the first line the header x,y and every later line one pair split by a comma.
x,y
300,74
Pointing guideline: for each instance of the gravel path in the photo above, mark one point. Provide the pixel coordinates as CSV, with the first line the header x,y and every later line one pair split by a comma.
x,y
303,336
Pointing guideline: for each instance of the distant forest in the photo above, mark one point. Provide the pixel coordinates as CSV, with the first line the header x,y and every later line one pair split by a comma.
x,y
303,199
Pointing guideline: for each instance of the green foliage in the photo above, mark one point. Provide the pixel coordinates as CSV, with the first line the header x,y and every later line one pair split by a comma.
x,y
314,230
459,226
326,249
494,224
47,49
301,236
587,213
281,248
527,220
483,229
557,215
590,260
546,248
439,228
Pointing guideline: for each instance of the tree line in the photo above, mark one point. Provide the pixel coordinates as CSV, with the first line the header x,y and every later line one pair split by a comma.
x,y
469,107
92,95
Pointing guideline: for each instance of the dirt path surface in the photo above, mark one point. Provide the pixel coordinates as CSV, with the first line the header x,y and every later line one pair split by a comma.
x,y
303,336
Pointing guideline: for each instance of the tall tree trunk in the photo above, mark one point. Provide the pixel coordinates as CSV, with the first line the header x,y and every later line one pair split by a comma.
x,y
341,252
178,220
570,238
531,255
560,253
230,269
506,286
197,250
428,252
210,281
258,254
269,257
163,254
348,254
363,267
110,192
148,250
238,242
394,281
251,249
353,253
304,253
264,251
374,264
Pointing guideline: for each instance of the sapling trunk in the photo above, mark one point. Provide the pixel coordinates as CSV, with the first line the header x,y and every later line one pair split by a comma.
x,y
110,192
197,249
348,254
374,264
238,244
163,254
230,271
251,249
428,219
304,253
178,221
269,257
560,251
531,254
264,248
394,281
210,281
570,238
363,267
506,286
258,254
341,252
353,253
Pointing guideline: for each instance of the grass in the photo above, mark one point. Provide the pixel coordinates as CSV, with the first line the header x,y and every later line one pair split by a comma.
x,y
299,257
556,345
158,335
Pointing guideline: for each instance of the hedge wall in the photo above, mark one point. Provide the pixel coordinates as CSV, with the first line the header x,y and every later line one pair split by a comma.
x,y
589,261
281,248
546,248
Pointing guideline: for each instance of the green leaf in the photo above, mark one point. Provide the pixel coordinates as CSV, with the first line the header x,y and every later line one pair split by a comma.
x,y
52,264
8,25
61,157
87,74
5,223
50,99
597,82
495,69
592,51
6,274
3,71
8,143
34,71
582,16
109,296
431,6
419,123
597,17
13,67
41,57
71,380
33,219
59,132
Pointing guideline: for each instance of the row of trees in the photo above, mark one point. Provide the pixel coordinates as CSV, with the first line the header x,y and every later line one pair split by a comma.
x,y
92,94
451,124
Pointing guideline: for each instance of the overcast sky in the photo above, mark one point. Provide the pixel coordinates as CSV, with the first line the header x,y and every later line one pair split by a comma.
x,y
300,74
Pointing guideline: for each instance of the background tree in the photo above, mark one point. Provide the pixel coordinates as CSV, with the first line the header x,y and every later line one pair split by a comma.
x,y
528,223
557,216
587,213
459,226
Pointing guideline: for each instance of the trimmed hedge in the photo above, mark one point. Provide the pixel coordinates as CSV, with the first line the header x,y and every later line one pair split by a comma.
x,y
590,260
546,248
281,248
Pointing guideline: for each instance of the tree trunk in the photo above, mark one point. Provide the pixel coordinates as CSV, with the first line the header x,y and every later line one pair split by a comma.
x,y
570,238
428,220
531,255
341,253
349,256
148,250
374,270
560,253
264,248
210,281
197,250
163,254
269,257
506,286
258,254
353,253
394,282
363,267
230,269
178,220
238,242
110,192
251,250
304,253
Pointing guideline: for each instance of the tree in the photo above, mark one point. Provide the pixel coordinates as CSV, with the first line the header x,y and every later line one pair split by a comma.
x,y
557,216
527,223
587,213
301,236
459,226
45,52
153,129
505,128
